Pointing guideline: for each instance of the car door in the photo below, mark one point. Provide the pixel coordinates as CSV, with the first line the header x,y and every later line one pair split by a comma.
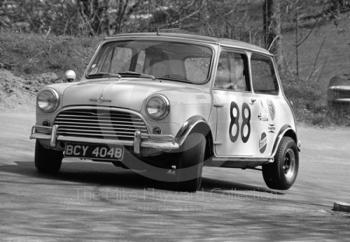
x,y
235,107
273,109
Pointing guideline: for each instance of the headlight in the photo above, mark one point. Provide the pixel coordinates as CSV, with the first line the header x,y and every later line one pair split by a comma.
x,y
48,100
158,107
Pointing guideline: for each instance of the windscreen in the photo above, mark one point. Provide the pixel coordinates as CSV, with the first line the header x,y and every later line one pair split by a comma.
x,y
173,61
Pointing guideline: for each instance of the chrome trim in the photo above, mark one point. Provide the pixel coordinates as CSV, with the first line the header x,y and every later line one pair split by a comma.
x,y
167,105
166,143
55,93
53,136
110,109
137,142
37,135
188,126
162,142
100,122
340,88
103,122
341,100
106,127
94,141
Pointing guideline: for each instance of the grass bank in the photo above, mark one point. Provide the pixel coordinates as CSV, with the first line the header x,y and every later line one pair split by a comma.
x,y
28,56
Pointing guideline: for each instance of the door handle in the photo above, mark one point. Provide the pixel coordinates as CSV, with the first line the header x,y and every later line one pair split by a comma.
x,y
218,105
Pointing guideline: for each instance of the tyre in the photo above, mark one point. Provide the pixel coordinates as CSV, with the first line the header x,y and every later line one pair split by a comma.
x,y
190,163
281,174
47,161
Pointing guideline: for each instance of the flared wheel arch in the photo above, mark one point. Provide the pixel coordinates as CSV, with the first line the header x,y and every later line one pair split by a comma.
x,y
197,124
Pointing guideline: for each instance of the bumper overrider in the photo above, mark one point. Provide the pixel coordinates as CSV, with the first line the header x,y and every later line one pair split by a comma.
x,y
165,143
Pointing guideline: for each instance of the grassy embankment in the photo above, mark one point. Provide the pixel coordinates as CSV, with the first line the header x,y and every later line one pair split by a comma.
x,y
30,61
29,55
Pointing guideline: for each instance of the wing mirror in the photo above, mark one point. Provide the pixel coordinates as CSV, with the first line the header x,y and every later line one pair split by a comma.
x,y
70,76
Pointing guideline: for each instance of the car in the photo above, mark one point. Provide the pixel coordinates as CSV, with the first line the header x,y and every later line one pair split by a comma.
x,y
339,92
167,104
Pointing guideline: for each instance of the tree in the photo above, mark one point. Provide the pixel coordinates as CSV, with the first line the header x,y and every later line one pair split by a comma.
x,y
91,13
272,29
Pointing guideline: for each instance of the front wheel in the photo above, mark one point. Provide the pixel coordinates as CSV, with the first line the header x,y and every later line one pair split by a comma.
x,y
47,161
190,163
281,174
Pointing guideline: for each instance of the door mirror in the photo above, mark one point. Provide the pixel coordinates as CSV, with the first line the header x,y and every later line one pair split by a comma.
x,y
70,76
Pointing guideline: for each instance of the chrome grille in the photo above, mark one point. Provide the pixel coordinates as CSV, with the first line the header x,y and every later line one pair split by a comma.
x,y
99,123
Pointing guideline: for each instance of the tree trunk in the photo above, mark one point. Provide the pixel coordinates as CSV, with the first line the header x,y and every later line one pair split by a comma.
x,y
272,29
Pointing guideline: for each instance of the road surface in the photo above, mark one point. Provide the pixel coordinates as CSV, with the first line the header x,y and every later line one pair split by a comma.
x,y
95,201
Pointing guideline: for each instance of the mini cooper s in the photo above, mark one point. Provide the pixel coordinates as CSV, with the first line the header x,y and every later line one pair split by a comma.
x,y
167,104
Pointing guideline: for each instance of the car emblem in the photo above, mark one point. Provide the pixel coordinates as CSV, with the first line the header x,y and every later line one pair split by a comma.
x,y
100,99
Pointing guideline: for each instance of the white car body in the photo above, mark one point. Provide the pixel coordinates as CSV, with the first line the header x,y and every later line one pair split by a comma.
x,y
243,129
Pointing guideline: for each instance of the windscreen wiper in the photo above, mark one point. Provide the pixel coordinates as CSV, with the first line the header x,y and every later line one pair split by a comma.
x,y
103,74
136,74
174,77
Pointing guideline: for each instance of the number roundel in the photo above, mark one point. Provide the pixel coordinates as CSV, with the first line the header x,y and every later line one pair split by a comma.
x,y
234,114
246,115
234,124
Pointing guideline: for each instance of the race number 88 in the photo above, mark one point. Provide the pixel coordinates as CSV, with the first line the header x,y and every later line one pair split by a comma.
x,y
234,124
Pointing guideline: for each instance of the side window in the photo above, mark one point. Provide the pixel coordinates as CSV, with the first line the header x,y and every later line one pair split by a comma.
x,y
232,72
263,75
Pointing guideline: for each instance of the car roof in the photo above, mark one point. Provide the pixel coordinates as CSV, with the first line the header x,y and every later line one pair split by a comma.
x,y
194,37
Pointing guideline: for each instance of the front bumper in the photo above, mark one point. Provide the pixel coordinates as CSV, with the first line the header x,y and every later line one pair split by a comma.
x,y
164,143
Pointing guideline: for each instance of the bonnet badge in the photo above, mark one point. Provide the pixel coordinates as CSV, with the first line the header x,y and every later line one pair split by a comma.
x,y
100,99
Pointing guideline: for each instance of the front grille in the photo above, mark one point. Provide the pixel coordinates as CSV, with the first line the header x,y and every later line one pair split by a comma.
x,y
99,123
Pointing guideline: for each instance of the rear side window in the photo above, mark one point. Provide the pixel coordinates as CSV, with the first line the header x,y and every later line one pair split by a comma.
x,y
263,75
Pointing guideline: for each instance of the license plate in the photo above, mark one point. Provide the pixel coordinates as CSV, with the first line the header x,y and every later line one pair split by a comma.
x,y
88,151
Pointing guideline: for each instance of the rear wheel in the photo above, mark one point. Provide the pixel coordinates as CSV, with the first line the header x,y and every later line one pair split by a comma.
x,y
281,174
190,163
47,161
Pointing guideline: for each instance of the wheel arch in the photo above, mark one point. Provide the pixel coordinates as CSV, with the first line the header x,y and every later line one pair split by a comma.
x,y
197,124
286,131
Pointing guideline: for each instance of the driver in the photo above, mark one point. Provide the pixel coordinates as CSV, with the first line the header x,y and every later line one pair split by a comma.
x,y
238,79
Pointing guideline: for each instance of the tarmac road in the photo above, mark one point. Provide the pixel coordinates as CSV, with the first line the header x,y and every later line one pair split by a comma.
x,y
100,202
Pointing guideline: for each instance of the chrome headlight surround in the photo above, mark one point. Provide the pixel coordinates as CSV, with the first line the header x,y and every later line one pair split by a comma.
x,y
48,100
157,107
